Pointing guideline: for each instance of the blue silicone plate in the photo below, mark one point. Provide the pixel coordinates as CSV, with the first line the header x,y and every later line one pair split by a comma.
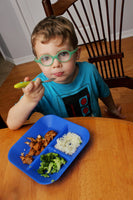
x,y
41,127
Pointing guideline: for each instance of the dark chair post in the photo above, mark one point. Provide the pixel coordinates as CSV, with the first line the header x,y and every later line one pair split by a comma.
x,y
47,7
2,123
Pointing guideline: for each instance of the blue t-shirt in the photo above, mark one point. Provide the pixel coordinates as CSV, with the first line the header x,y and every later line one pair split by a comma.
x,y
79,98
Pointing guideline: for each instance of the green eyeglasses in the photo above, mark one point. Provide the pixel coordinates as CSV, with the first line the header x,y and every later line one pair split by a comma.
x,y
61,56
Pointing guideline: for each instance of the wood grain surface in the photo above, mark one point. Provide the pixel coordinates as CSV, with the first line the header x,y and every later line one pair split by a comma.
x,y
102,171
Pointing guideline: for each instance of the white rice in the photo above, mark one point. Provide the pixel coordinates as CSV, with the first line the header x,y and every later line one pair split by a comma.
x,y
68,143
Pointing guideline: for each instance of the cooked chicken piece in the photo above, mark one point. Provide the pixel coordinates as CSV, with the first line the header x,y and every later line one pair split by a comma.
x,y
50,135
27,159
39,138
45,142
42,148
32,152
31,139
38,152
31,144
37,146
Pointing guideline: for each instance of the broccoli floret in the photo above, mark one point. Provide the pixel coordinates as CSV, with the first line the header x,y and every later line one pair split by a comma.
x,y
50,163
50,167
58,163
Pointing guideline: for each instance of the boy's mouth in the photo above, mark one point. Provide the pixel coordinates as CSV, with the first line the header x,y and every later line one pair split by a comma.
x,y
58,74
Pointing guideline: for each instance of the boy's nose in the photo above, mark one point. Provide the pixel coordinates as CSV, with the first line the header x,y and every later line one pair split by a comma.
x,y
56,63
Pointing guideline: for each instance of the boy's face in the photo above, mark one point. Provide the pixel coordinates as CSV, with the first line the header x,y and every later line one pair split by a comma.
x,y
62,72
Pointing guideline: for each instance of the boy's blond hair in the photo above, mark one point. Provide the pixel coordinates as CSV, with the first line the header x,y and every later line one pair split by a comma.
x,y
51,27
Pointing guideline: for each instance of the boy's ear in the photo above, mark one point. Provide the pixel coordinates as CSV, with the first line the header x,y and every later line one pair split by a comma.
x,y
78,53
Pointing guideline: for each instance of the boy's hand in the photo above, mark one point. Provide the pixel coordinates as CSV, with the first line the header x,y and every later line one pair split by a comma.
x,y
116,112
20,112
34,91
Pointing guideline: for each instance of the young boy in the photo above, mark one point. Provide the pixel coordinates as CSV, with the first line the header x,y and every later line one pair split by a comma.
x,y
76,86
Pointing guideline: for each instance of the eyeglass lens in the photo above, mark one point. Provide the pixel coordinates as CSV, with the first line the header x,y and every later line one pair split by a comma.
x,y
63,56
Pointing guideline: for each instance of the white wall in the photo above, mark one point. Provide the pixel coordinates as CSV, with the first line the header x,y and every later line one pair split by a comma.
x,y
13,39
128,17
17,19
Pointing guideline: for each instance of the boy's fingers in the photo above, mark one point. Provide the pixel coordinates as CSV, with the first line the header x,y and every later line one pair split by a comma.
x,y
119,108
123,117
37,82
117,113
27,78
28,88
41,91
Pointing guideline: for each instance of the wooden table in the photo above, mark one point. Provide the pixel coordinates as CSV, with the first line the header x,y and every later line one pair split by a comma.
x,y
102,171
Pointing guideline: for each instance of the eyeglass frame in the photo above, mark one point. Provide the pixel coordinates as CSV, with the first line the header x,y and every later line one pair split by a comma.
x,y
56,56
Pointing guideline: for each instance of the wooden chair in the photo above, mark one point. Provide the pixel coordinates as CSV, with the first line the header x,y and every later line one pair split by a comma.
x,y
2,123
96,24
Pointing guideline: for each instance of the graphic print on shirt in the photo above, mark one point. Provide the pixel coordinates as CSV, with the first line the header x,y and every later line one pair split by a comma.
x,y
78,104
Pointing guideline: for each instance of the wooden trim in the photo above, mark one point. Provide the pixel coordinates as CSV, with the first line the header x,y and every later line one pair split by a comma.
x,y
120,82
106,57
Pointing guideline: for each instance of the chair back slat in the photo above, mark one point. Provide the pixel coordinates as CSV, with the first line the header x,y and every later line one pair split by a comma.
x,y
104,40
114,26
79,32
90,51
97,31
109,37
121,23
114,34
120,34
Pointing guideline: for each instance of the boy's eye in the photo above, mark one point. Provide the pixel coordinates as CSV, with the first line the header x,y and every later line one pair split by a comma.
x,y
45,58
64,53
63,56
